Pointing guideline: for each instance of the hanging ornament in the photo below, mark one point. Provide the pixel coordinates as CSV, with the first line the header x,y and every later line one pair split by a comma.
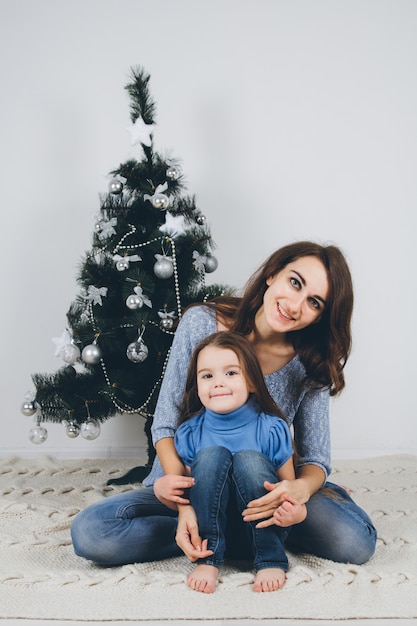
x,y
38,434
164,267
90,429
72,430
200,219
140,132
122,265
174,225
167,319
137,351
159,199
137,299
61,342
70,353
173,172
210,264
115,186
94,294
134,302
91,354
123,262
199,261
29,407
104,229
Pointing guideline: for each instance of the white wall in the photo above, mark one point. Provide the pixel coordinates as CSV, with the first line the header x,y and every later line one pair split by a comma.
x,y
293,118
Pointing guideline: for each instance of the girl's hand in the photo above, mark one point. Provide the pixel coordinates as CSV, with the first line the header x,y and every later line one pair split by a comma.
x,y
288,513
187,537
169,489
264,508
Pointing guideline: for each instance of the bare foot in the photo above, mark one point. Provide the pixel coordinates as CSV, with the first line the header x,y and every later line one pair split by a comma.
x,y
269,579
203,578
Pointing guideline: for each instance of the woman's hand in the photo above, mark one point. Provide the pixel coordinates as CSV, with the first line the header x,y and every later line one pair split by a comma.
x,y
169,489
288,513
187,537
264,508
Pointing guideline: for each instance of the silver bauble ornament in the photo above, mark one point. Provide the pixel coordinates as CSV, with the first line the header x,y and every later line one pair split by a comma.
x,y
29,408
90,429
160,201
91,354
97,227
115,186
173,172
167,323
70,353
200,219
38,434
72,430
210,264
137,351
163,268
122,265
134,302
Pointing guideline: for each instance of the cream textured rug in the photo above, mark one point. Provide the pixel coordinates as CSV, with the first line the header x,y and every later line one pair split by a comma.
x,y
41,578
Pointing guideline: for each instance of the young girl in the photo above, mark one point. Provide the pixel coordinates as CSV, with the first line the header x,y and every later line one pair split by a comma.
x,y
232,439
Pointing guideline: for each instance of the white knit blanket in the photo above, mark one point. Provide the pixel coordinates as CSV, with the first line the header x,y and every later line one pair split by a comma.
x,y
41,578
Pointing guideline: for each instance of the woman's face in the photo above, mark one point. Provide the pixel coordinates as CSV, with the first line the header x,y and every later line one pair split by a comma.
x,y
296,297
221,384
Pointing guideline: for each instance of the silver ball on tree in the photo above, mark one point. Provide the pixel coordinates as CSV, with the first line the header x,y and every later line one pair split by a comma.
x,y
134,302
28,408
38,434
210,264
200,219
160,201
70,353
115,186
122,265
173,172
90,429
91,354
166,323
72,430
137,351
163,268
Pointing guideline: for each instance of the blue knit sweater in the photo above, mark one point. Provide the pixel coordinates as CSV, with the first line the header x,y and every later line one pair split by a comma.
x,y
245,428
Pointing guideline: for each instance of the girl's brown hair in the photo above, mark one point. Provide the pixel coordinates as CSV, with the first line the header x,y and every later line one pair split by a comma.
x,y
248,361
323,347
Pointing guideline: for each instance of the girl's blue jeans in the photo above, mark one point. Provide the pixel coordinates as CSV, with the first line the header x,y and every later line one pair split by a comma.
x,y
135,527
226,482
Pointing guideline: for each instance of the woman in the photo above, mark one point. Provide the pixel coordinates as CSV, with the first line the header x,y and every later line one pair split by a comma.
x,y
296,312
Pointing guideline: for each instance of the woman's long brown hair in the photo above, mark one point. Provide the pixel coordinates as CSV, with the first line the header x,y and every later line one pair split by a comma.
x,y
323,347
248,361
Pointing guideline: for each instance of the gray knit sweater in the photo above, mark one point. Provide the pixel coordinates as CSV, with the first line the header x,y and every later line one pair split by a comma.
x,y
306,410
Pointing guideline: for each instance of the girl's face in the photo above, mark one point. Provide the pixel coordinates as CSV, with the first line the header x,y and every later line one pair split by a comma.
x,y
296,297
221,384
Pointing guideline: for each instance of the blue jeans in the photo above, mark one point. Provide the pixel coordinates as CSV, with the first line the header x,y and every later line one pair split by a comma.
x,y
240,476
135,527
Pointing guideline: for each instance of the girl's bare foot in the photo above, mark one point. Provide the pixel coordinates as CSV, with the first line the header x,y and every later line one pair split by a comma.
x,y
203,578
269,579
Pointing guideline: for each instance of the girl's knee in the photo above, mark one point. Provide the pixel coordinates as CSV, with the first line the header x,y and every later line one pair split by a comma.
x,y
212,454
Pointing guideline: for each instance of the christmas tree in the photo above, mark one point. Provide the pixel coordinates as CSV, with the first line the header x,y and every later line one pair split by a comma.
x,y
151,248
